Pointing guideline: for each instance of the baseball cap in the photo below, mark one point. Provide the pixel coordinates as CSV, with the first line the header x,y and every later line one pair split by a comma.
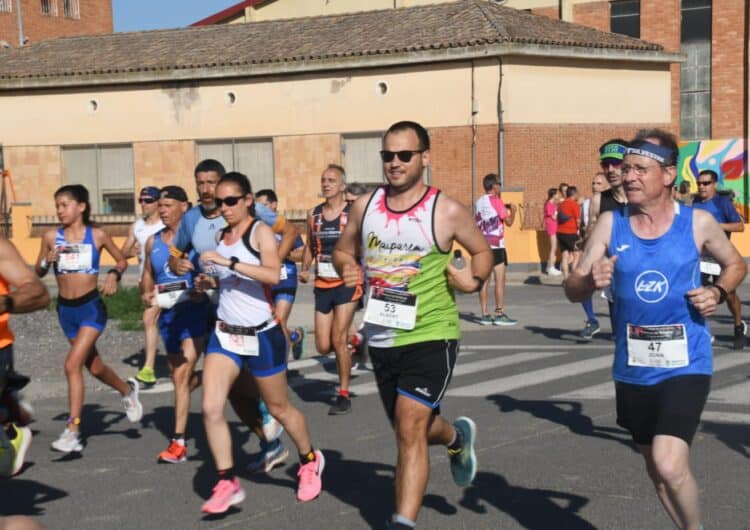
x,y
173,192
151,192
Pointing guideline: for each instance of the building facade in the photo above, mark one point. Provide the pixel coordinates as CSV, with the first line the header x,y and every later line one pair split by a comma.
x,y
49,19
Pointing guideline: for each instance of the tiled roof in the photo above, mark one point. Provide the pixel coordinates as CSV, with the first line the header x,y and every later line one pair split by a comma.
x,y
465,24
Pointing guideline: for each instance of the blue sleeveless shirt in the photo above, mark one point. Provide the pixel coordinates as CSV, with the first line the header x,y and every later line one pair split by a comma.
x,y
160,263
651,314
83,248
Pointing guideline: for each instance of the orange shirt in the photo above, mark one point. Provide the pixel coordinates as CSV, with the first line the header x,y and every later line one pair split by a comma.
x,y
6,335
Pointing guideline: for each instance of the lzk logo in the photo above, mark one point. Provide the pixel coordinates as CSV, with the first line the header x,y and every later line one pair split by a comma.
x,y
651,286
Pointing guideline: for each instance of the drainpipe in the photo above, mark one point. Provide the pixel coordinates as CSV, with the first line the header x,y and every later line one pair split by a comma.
x,y
500,126
474,110
21,38
746,105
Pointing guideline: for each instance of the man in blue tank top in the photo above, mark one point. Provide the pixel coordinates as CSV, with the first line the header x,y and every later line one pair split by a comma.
x,y
648,253
729,220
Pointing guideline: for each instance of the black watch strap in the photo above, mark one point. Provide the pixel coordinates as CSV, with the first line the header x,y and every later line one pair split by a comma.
x,y
722,293
480,282
233,261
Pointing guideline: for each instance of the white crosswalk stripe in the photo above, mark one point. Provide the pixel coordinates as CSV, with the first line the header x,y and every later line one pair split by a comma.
x,y
483,370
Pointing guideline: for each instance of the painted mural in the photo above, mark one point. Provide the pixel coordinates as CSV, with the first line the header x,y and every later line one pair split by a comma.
x,y
726,157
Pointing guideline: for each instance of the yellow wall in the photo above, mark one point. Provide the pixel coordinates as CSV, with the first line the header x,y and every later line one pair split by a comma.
x,y
539,92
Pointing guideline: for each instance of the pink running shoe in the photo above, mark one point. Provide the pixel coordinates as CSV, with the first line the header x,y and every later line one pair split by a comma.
x,y
310,482
226,493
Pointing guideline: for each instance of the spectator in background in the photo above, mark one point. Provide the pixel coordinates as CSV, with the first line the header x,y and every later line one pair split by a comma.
x,y
550,226
682,193
598,185
568,223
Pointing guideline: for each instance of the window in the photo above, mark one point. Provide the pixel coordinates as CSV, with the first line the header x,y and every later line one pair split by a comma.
x,y
253,158
49,8
6,6
108,174
625,18
695,74
71,9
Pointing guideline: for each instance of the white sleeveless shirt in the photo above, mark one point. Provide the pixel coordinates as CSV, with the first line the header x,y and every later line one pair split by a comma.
x,y
243,301
142,231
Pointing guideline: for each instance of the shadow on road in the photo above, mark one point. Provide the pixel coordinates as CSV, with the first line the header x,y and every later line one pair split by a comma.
x,y
532,508
735,436
566,413
568,335
23,497
99,422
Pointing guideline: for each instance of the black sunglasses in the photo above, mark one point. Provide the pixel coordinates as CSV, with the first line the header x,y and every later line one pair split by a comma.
x,y
146,200
404,156
704,182
229,201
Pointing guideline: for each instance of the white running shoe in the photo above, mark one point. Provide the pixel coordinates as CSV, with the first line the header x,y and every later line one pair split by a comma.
x,y
554,271
272,429
68,442
131,403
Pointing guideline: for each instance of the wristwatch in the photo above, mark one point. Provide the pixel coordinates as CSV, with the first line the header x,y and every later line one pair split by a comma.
x,y
233,261
480,282
7,304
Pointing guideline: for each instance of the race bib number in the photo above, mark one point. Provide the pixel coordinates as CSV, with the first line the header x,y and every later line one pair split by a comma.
x,y
283,275
76,257
246,345
326,270
711,268
170,294
657,346
391,308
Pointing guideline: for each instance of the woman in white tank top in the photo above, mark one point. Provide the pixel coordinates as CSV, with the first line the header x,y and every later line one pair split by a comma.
x,y
246,337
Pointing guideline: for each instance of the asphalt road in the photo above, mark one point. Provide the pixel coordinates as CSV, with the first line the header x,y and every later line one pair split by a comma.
x,y
550,453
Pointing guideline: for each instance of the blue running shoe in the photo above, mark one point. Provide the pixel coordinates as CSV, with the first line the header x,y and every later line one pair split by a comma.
x,y
298,342
464,461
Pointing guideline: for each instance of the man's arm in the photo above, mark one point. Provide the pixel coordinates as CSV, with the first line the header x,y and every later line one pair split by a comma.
x,y
594,206
709,236
347,248
509,219
28,292
128,247
734,221
307,256
465,233
594,270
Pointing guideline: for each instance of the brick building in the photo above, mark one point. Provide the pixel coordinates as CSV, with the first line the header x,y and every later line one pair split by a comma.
x,y
499,89
49,19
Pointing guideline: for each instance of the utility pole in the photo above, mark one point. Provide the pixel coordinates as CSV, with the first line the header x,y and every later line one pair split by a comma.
x,y
21,38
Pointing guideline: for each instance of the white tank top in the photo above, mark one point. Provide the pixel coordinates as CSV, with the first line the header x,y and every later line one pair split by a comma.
x,y
243,301
142,231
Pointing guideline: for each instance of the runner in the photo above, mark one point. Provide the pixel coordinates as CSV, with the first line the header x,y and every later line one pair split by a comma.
x,y
406,231
182,322
147,225
491,218
722,209
247,339
335,303
649,254
199,230
28,294
285,291
73,250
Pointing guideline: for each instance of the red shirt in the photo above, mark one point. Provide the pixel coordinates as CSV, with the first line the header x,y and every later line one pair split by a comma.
x,y
572,209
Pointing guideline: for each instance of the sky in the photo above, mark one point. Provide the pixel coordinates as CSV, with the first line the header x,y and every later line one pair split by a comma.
x,y
136,15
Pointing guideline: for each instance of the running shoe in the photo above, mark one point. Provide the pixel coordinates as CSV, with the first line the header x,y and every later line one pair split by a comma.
x,y
146,376
590,329
68,442
554,271
174,454
503,320
225,494
310,478
271,455
340,405
131,403
486,320
298,342
272,429
739,336
393,525
464,461
21,444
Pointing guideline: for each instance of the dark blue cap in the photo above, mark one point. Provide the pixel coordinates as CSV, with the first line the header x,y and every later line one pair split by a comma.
x,y
150,191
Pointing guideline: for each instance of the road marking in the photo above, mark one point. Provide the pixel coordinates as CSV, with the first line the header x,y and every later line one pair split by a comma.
x,y
726,417
738,394
607,390
558,347
536,377
471,368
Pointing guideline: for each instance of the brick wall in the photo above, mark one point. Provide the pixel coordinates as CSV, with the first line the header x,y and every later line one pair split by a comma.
x,y
549,12
95,18
592,14
36,173
728,68
165,163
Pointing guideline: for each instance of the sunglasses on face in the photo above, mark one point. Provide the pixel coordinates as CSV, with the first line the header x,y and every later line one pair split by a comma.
x,y
704,182
229,201
404,156
146,200
610,163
